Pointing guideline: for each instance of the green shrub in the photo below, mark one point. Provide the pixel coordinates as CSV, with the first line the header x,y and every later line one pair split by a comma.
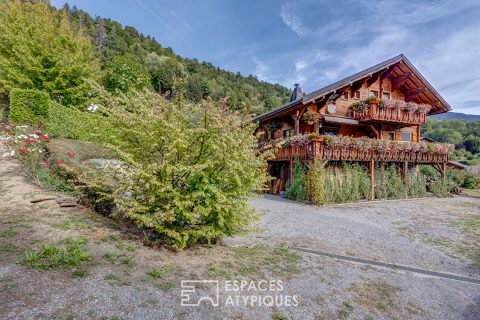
x,y
71,123
464,179
297,189
192,168
416,185
337,184
429,171
315,183
440,188
388,183
30,107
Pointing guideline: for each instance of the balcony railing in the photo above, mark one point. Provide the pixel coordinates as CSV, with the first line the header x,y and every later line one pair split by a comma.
x,y
316,148
394,115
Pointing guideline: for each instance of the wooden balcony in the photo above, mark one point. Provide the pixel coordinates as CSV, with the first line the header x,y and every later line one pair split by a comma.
x,y
317,149
392,115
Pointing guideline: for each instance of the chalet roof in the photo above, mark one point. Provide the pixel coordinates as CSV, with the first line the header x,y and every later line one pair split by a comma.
x,y
358,76
457,165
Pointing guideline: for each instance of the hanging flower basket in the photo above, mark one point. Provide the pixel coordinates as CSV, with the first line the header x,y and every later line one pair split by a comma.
x,y
310,117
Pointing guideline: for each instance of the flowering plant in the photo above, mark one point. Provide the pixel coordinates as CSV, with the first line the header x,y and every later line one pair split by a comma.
x,y
392,104
372,100
21,140
360,106
310,116
367,144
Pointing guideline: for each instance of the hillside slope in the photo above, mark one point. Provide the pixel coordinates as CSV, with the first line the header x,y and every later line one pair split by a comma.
x,y
169,72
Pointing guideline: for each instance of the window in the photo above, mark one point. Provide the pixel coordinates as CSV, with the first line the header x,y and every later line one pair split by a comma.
x,y
374,93
345,95
330,129
356,94
391,136
288,133
386,95
406,136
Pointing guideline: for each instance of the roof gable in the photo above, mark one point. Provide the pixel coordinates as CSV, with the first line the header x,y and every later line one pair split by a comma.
x,y
399,63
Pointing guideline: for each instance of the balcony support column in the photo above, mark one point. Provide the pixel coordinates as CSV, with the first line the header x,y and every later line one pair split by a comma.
x,y
404,170
371,169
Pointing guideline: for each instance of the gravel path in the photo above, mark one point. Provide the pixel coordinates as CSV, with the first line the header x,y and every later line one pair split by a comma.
x,y
394,231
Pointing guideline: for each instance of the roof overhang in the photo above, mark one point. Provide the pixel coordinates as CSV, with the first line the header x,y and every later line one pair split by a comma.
x,y
384,68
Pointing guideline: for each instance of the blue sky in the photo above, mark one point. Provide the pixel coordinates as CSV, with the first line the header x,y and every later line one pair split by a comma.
x,y
316,42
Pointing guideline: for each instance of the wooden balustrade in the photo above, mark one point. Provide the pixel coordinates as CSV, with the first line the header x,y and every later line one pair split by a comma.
x,y
395,115
316,149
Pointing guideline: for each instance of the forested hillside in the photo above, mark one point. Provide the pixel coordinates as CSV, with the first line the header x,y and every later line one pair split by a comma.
x,y
465,135
123,49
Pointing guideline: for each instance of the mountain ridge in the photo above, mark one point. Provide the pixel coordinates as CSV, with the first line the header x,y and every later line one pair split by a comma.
x,y
456,116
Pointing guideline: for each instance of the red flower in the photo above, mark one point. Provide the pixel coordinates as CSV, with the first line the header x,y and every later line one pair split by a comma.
x,y
60,162
37,131
44,137
71,154
30,141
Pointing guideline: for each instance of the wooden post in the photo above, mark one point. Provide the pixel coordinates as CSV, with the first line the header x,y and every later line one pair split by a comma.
x,y
297,126
371,168
291,171
416,169
444,169
404,170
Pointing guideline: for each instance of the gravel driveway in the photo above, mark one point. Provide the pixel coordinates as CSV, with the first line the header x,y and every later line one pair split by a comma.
x,y
425,233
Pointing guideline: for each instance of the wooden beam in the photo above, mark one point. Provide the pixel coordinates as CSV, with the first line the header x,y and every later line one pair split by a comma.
x,y
412,94
397,82
377,134
355,86
388,72
372,79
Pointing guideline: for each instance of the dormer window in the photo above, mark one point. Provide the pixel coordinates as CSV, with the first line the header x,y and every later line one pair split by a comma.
x,y
374,93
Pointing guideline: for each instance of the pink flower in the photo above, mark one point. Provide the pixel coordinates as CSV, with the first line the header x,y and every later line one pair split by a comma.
x,y
60,162
71,154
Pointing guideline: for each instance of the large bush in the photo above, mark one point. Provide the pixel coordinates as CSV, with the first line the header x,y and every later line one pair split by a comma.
x,y
192,168
41,50
29,107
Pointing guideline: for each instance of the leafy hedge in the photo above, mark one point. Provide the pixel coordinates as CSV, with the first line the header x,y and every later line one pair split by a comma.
x,y
70,123
29,107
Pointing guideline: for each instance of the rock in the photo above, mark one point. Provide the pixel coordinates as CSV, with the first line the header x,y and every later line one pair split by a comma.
x,y
101,163
67,202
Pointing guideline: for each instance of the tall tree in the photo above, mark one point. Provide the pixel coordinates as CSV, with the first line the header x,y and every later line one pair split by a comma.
x,y
40,49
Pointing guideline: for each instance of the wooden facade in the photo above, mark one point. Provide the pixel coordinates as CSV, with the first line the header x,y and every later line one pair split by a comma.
x,y
395,79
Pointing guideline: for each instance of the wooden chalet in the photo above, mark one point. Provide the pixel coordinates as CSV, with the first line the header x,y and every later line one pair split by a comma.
x,y
331,112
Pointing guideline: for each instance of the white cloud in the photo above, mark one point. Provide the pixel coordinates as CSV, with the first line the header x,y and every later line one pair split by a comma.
x,y
262,70
358,35
291,20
